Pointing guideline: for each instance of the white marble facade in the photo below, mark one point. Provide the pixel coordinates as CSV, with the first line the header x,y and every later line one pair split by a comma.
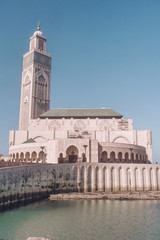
x,y
69,138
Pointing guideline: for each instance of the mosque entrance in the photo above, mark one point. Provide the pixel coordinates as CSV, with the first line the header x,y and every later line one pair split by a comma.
x,y
72,154
73,158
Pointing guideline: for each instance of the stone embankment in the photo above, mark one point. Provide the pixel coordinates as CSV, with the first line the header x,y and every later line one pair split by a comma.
x,y
130,195
25,184
32,238
37,238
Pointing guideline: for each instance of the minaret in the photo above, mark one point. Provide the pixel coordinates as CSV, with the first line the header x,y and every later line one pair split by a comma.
x,y
35,86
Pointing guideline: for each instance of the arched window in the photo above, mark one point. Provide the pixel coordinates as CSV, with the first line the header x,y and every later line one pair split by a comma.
x,y
17,157
40,89
13,156
126,157
27,156
112,156
132,158
22,157
40,45
41,156
104,156
34,156
140,158
119,157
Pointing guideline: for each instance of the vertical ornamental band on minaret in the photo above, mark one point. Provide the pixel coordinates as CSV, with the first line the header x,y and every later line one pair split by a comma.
x,y
35,86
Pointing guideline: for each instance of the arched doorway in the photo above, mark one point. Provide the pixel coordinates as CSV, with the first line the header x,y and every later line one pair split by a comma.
x,y
72,154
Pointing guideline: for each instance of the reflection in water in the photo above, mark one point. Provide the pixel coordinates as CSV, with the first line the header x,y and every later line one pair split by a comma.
x,y
83,219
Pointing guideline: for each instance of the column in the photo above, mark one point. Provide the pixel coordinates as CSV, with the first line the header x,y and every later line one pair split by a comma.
x,y
148,179
85,179
154,179
124,179
133,180
109,185
158,178
140,180
116,179
93,180
105,184
100,180
78,180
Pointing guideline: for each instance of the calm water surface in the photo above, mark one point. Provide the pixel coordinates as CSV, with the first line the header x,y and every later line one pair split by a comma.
x,y
83,219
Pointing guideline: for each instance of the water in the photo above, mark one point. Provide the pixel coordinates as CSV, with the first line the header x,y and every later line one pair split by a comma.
x,y
83,219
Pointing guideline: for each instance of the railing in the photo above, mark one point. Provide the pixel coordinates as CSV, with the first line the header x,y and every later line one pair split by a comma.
x,y
4,164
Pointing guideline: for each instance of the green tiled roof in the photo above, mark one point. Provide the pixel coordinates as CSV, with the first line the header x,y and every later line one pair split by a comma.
x,y
81,113
30,140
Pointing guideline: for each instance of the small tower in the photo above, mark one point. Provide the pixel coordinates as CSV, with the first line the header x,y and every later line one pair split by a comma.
x,y
35,86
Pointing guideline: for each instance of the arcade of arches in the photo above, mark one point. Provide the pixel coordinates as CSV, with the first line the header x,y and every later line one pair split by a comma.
x,y
39,157
72,155
118,157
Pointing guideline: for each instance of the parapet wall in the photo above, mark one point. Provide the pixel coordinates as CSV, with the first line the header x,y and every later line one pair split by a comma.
x,y
27,183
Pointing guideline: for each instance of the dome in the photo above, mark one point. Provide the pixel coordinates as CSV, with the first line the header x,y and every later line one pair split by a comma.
x,y
38,32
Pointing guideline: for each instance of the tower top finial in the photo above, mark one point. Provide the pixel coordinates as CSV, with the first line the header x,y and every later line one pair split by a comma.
x,y
38,28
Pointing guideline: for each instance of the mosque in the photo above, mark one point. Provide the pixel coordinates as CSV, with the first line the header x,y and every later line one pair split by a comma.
x,y
72,135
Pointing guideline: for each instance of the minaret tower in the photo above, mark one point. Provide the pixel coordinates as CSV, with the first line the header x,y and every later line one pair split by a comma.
x,y
35,86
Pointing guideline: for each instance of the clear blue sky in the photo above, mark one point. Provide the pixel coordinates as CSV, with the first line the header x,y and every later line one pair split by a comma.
x,y
106,53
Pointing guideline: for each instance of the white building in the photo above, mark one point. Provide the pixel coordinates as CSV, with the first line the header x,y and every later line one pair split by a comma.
x,y
69,135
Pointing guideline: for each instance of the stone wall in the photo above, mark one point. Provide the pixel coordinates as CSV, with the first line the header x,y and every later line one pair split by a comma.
x,y
28,183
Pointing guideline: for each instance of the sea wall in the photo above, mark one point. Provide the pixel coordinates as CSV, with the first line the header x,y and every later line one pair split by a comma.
x,y
28,183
